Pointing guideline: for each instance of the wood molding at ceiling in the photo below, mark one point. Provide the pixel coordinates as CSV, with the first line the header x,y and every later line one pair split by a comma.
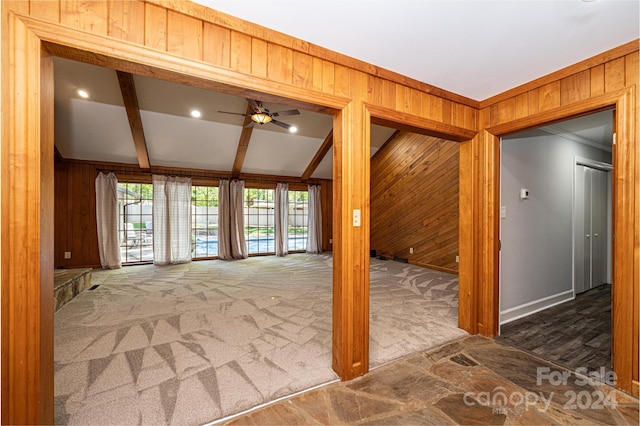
x,y
130,98
320,154
243,144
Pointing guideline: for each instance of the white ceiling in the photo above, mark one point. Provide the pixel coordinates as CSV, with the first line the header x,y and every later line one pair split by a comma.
x,y
436,42
477,49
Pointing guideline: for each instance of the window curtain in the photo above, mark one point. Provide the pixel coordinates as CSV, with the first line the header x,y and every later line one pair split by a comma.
x,y
282,219
231,241
107,220
171,220
314,224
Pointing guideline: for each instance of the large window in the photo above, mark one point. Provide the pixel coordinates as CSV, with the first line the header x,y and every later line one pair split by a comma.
x,y
204,221
259,215
135,226
298,220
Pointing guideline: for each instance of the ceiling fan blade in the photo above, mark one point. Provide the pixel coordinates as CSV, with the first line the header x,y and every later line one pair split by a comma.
x,y
254,105
234,113
281,124
283,113
250,125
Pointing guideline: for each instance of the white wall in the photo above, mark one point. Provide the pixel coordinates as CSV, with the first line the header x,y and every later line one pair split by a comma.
x,y
536,234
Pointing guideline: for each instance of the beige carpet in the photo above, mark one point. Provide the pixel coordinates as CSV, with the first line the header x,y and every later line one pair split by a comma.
x,y
192,343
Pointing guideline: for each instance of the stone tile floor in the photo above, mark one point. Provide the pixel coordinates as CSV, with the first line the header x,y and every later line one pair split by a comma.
x,y
473,380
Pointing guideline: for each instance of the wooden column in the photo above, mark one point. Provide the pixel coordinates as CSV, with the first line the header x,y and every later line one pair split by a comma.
x,y
27,217
351,243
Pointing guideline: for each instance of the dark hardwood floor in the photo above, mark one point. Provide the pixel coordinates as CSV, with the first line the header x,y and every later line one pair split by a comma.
x,y
573,334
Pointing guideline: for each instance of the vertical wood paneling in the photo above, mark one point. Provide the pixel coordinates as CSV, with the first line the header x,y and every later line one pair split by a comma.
x,y
326,192
216,45
388,94
414,200
549,96
279,63
259,57
435,108
403,96
494,115
614,75
522,105
155,26
632,72
45,9
240,52
374,90
597,80
328,77
447,111
576,87
533,102
318,74
184,35
302,70
85,15
341,81
124,20
506,110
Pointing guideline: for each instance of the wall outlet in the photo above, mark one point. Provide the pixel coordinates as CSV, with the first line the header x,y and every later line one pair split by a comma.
x,y
410,250
67,255
356,217
457,259
330,240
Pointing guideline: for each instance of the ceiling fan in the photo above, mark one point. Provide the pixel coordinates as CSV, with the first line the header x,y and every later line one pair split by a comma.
x,y
261,115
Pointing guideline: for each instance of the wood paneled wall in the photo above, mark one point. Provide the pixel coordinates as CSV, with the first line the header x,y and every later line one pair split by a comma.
x,y
75,203
414,200
604,81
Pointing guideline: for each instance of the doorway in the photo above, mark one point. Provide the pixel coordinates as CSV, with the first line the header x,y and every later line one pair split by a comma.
x,y
556,216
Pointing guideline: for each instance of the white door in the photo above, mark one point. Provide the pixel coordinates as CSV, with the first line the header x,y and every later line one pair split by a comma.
x,y
591,233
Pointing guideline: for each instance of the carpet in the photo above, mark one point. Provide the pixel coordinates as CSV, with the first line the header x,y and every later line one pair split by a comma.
x,y
188,344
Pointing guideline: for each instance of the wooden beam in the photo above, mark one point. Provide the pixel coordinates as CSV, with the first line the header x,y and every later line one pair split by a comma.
x,y
130,98
243,144
322,151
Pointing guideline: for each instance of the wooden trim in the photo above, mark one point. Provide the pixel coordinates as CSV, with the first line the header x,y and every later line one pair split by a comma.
x,y
615,53
555,115
274,37
27,248
626,244
130,98
319,156
243,143
412,123
435,268
99,50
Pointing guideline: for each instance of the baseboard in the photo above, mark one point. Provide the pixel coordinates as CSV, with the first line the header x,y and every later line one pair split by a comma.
x,y
434,267
529,308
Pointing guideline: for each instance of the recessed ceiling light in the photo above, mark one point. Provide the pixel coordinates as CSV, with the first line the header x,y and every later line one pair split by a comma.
x,y
293,129
83,93
195,113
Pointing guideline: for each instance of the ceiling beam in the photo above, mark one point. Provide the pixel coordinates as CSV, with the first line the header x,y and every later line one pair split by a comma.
x,y
322,151
130,98
243,144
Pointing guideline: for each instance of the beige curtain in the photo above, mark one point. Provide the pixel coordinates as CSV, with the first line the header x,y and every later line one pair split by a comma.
x,y
171,220
282,219
107,220
231,241
314,230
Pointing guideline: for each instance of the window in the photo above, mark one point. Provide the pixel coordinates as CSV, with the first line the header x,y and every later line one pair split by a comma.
x,y
135,222
204,221
259,216
298,220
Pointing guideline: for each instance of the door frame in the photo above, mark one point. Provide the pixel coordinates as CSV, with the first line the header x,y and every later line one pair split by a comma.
x,y
626,206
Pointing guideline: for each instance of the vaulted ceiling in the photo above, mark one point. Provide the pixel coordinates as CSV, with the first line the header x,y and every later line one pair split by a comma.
x,y
140,120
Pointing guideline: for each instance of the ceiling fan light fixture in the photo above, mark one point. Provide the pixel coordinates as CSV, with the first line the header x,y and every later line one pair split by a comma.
x,y
261,118
293,129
